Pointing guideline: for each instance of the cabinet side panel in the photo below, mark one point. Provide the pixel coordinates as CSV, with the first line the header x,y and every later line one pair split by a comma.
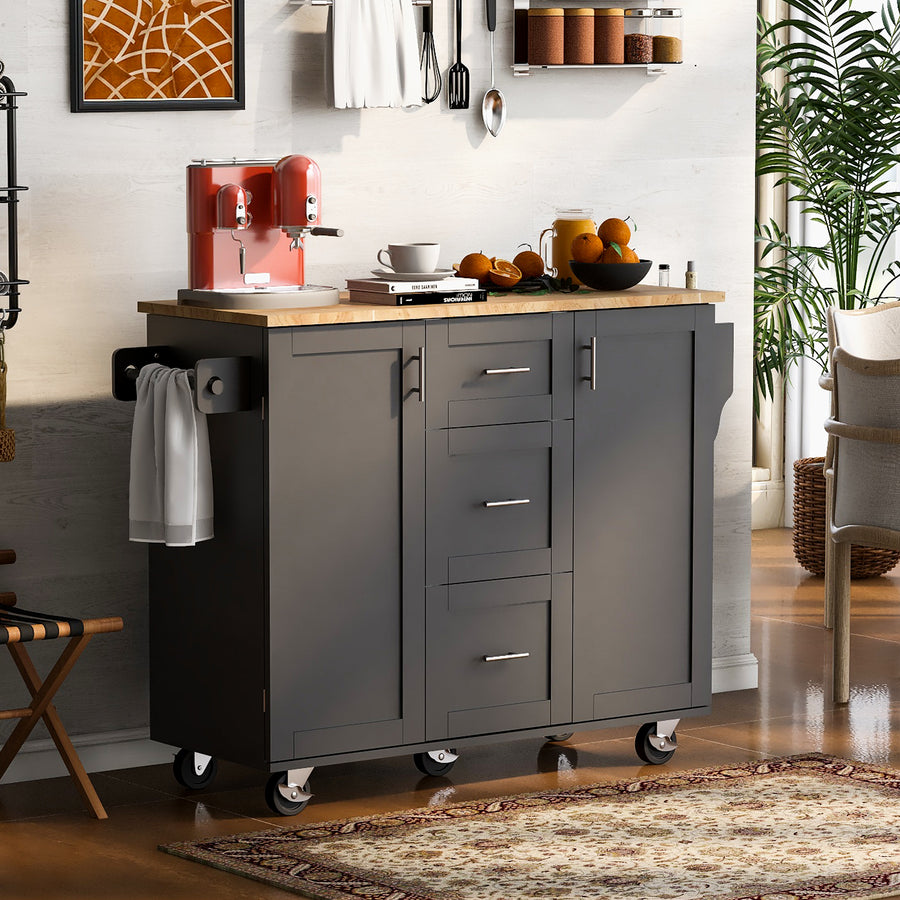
x,y
634,512
336,533
208,641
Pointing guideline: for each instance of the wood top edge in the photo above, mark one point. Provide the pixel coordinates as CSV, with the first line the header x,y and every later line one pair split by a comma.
x,y
346,313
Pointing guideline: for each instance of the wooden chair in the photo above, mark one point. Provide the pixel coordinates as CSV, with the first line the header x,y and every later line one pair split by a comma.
x,y
17,627
862,463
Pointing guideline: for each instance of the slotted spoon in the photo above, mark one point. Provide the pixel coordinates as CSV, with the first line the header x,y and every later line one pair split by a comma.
x,y
458,74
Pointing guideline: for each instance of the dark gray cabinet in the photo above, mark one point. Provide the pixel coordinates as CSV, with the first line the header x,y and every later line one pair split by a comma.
x,y
435,533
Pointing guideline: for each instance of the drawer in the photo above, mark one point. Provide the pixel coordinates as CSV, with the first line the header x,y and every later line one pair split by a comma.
x,y
489,661
487,371
498,501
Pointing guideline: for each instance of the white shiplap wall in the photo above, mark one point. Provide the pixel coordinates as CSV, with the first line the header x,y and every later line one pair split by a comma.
x,y
103,227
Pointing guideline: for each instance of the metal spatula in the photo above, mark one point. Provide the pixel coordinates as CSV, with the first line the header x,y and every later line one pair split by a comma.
x,y
458,74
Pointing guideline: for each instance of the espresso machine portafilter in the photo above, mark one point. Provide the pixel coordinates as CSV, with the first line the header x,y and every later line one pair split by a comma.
x,y
246,219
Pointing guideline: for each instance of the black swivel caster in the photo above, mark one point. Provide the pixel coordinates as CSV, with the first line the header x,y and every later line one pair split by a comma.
x,y
194,771
558,738
653,748
435,762
287,802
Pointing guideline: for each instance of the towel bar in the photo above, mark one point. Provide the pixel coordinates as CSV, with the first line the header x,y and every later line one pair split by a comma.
x,y
223,383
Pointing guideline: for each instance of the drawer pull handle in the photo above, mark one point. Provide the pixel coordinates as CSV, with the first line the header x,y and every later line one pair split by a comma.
x,y
513,370
503,656
489,504
592,378
420,390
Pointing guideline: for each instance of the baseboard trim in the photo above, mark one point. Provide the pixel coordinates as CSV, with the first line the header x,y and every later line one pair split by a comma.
x,y
98,753
735,673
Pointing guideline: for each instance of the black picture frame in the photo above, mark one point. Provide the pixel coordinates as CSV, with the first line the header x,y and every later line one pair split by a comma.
x,y
77,70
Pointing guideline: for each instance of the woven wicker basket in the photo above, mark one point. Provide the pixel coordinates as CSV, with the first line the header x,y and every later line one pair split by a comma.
x,y
809,527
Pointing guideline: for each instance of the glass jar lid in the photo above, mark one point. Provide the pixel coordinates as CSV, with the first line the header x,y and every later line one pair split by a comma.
x,y
612,11
667,13
639,13
581,11
545,12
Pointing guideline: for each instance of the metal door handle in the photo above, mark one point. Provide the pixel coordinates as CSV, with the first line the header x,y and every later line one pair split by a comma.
x,y
592,378
421,387
503,656
490,504
512,370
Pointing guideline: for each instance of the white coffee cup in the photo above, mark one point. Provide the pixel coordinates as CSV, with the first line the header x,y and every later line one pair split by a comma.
x,y
410,257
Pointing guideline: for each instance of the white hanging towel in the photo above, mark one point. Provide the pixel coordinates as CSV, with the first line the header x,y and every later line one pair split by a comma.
x,y
170,488
374,54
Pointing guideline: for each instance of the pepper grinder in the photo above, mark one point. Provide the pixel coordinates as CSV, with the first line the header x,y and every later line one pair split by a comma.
x,y
690,276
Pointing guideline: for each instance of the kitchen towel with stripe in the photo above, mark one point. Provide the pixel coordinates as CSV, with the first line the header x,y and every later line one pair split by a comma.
x,y
170,489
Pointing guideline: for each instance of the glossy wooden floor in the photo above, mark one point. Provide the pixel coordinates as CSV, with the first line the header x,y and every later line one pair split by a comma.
x,y
50,848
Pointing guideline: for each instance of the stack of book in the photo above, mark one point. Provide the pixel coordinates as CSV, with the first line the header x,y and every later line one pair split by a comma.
x,y
410,293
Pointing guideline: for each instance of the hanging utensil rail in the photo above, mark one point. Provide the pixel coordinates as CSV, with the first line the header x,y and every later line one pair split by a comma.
x,y
9,284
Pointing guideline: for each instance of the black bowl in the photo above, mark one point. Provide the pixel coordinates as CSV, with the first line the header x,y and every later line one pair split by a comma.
x,y
610,276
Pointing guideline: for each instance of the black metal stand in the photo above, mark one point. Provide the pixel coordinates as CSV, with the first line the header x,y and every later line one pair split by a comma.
x,y
9,284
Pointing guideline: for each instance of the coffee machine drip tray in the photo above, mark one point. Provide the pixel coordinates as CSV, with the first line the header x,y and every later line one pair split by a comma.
x,y
276,297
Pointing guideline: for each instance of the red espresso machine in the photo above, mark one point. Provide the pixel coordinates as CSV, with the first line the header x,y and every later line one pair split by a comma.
x,y
247,220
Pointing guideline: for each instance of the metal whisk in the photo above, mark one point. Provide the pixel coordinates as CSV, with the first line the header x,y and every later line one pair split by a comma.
x,y
429,61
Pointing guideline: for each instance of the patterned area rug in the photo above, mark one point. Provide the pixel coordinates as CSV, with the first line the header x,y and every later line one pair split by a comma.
x,y
799,828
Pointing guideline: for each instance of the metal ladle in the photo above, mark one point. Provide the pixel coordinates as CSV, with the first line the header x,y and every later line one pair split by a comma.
x,y
493,108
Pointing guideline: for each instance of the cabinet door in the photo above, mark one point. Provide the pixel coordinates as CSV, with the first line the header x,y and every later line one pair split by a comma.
x,y
346,433
642,510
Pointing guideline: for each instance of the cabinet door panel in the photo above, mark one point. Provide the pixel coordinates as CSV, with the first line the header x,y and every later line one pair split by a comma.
x,y
344,471
635,617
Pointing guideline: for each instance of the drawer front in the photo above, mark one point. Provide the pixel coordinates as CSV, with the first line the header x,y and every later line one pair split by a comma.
x,y
498,501
489,660
489,371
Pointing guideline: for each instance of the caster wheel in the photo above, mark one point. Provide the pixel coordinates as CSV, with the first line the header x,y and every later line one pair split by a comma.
x,y
280,804
437,762
557,738
186,772
645,749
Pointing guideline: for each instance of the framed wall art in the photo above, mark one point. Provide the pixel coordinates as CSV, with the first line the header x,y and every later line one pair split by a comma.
x,y
133,55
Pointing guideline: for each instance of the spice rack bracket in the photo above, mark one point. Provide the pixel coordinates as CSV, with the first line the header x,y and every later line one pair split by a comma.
x,y
520,12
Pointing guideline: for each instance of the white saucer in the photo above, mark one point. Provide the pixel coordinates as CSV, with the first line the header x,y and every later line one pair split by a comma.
x,y
436,275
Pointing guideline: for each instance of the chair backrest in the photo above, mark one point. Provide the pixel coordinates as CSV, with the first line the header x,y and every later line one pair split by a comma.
x,y
866,429
870,333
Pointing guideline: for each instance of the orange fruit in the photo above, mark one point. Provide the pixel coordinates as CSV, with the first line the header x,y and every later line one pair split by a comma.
x,y
614,231
505,274
587,247
611,255
474,265
531,264
629,256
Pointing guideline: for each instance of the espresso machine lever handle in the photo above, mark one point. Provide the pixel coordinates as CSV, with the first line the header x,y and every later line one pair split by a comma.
x,y
327,232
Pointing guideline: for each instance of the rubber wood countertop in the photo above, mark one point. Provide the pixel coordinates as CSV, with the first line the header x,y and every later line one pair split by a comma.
x,y
346,313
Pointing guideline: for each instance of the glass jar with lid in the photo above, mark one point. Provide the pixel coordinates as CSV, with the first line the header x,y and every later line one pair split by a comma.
x,y
638,36
667,36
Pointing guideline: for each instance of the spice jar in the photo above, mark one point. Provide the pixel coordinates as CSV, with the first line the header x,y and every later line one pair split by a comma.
x,y
579,37
638,37
667,45
609,36
545,37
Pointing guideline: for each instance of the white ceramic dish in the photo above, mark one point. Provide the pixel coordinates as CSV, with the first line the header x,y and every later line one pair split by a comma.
x,y
436,275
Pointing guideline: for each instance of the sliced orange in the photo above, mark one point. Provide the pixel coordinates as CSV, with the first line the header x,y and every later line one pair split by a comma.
x,y
505,274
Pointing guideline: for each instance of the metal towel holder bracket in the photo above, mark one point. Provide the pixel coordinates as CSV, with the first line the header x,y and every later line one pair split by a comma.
x,y
223,383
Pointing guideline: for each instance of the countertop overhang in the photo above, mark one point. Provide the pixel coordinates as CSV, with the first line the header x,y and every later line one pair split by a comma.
x,y
346,313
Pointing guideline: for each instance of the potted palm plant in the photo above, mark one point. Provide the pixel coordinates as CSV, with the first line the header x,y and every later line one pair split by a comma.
x,y
828,129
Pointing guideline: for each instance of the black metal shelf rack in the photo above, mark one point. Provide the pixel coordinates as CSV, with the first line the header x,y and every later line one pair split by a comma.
x,y
9,195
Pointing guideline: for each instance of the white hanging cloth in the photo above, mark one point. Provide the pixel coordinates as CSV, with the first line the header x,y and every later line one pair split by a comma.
x,y
373,45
